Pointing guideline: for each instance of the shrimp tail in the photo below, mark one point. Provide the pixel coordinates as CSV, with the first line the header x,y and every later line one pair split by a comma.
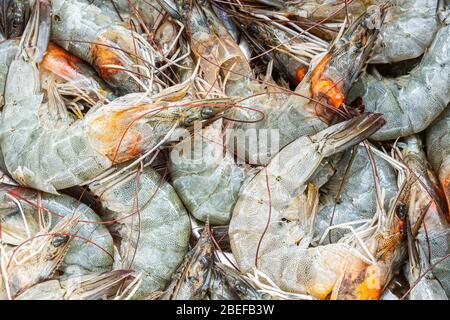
x,y
349,133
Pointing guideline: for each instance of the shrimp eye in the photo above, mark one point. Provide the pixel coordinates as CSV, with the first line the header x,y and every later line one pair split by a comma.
x,y
185,6
207,112
59,240
188,121
401,211
253,28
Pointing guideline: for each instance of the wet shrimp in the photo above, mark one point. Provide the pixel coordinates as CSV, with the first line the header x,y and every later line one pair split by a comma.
x,y
151,222
102,41
210,41
207,179
402,36
192,278
95,286
350,195
277,241
438,150
326,84
387,244
412,102
8,50
25,212
36,261
13,17
79,150
422,287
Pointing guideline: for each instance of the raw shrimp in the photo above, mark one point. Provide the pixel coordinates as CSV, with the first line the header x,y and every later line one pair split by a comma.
x,y
114,51
94,286
402,36
8,50
438,151
36,261
191,281
22,217
367,280
228,284
426,288
78,79
206,177
13,17
296,114
277,241
290,50
327,9
350,195
412,102
148,11
151,222
54,154
210,40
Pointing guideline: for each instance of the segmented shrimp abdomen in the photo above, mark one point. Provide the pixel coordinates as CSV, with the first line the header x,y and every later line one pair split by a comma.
x,y
155,234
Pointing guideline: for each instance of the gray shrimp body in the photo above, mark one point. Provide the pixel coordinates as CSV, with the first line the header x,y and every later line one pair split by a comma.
x,y
152,223
92,248
402,35
272,222
412,102
8,50
357,197
207,180
307,110
99,39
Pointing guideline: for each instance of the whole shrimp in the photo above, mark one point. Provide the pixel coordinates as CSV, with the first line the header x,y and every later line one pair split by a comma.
x,y
25,212
277,241
386,244
37,261
151,222
79,150
207,179
350,195
102,41
412,102
325,86
94,286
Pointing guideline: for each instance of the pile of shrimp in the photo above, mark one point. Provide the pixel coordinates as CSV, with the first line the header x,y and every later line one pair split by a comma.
x,y
225,150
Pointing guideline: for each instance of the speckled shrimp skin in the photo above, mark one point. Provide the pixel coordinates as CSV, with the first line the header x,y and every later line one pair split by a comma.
x,y
279,222
438,152
350,194
152,224
91,252
402,35
208,181
51,154
324,87
412,102
100,40
8,50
